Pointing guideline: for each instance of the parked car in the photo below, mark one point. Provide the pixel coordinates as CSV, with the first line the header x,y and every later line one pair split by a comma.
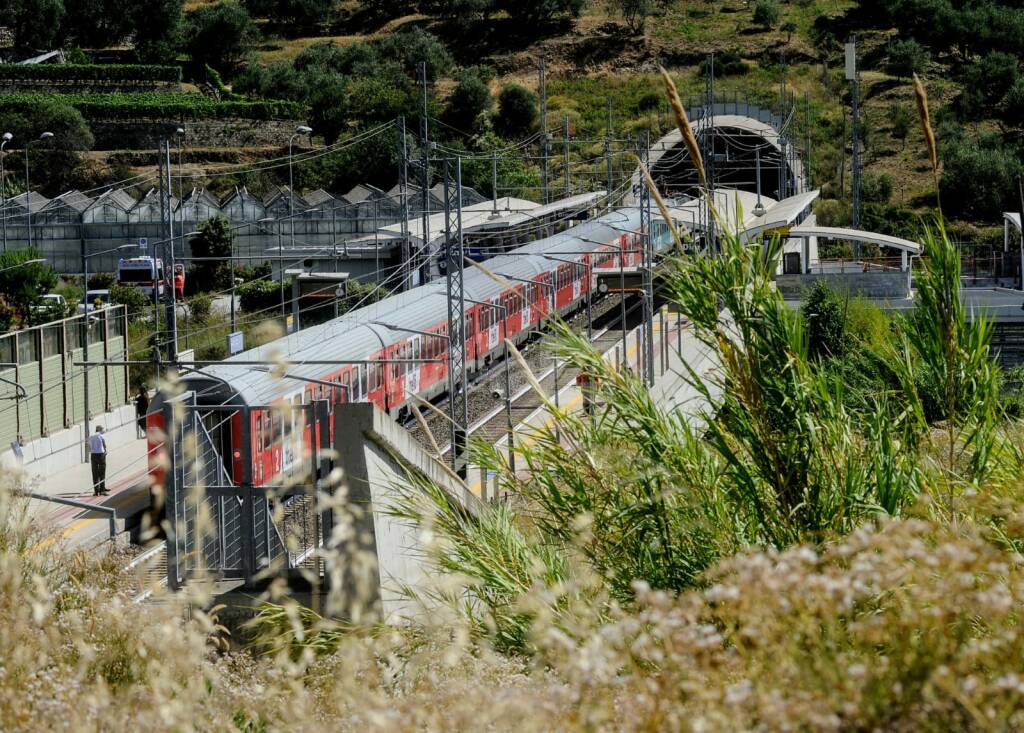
x,y
91,298
50,302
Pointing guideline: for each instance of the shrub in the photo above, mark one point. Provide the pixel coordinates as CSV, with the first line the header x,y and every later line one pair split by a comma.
x,y
876,189
766,14
200,307
261,296
517,111
906,57
825,321
136,301
89,73
153,105
101,280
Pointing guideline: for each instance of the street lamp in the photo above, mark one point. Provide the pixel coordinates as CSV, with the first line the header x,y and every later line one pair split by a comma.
x,y
23,264
759,209
28,187
300,130
3,183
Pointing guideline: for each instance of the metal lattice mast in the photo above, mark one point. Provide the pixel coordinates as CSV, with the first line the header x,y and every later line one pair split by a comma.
x,y
454,276
544,183
403,203
608,146
851,74
565,155
425,179
647,263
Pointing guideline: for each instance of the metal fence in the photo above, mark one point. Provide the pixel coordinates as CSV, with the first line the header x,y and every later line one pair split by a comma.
x,y
228,529
42,388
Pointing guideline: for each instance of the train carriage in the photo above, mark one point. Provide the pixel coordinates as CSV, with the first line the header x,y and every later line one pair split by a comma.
x,y
381,352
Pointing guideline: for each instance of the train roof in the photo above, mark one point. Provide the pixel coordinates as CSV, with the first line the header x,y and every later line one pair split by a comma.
x,y
354,336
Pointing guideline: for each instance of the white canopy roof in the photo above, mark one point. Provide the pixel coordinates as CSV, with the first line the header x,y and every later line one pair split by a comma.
x,y
1014,218
855,235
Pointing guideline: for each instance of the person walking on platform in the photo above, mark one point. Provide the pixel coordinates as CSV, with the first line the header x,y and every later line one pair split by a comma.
x,y
141,408
98,458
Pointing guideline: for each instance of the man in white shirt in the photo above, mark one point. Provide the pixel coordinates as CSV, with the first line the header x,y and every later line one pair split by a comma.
x,y
98,458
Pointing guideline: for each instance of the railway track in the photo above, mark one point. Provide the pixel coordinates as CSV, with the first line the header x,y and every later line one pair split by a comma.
x,y
487,413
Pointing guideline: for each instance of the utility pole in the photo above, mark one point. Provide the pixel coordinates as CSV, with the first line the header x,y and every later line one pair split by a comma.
x,y
608,146
543,133
807,142
424,256
494,185
172,316
851,76
157,280
565,155
454,276
647,263
403,205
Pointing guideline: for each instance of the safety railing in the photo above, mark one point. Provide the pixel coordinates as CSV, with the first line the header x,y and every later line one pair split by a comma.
x,y
111,512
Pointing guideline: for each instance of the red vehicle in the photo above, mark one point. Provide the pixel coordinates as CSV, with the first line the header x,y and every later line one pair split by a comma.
x,y
411,327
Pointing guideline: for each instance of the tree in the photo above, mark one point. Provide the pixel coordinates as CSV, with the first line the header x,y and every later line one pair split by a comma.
x,y
21,286
328,104
213,240
789,28
304,14
635,12
470,100
35,24
97,23
221,34
517,111
907,58
899,118
411,48
155,26
766,14
979,176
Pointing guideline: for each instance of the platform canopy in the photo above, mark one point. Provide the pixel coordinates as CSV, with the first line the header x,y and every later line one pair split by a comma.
x,y
1013,218
855,235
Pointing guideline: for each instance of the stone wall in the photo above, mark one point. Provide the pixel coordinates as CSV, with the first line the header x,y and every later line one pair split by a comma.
x,y
226,133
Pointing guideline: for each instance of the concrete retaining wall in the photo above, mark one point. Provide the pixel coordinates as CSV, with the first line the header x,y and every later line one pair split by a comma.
x,y
375,456
64,449
867,284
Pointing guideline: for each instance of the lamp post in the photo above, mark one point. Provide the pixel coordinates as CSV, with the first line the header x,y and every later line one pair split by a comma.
x,y
300,130
28,186
3,183
85,347
759,210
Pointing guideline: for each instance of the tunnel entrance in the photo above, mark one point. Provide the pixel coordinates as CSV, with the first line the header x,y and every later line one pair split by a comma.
x,y
731,146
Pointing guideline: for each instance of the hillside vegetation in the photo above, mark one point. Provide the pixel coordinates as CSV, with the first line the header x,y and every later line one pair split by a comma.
x,y
351,65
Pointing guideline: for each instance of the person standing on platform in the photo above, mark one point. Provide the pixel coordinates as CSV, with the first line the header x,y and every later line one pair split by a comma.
x,y
141,409
98,458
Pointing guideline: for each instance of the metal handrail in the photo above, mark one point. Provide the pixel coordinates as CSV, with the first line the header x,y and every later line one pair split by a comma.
x,y
111,512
